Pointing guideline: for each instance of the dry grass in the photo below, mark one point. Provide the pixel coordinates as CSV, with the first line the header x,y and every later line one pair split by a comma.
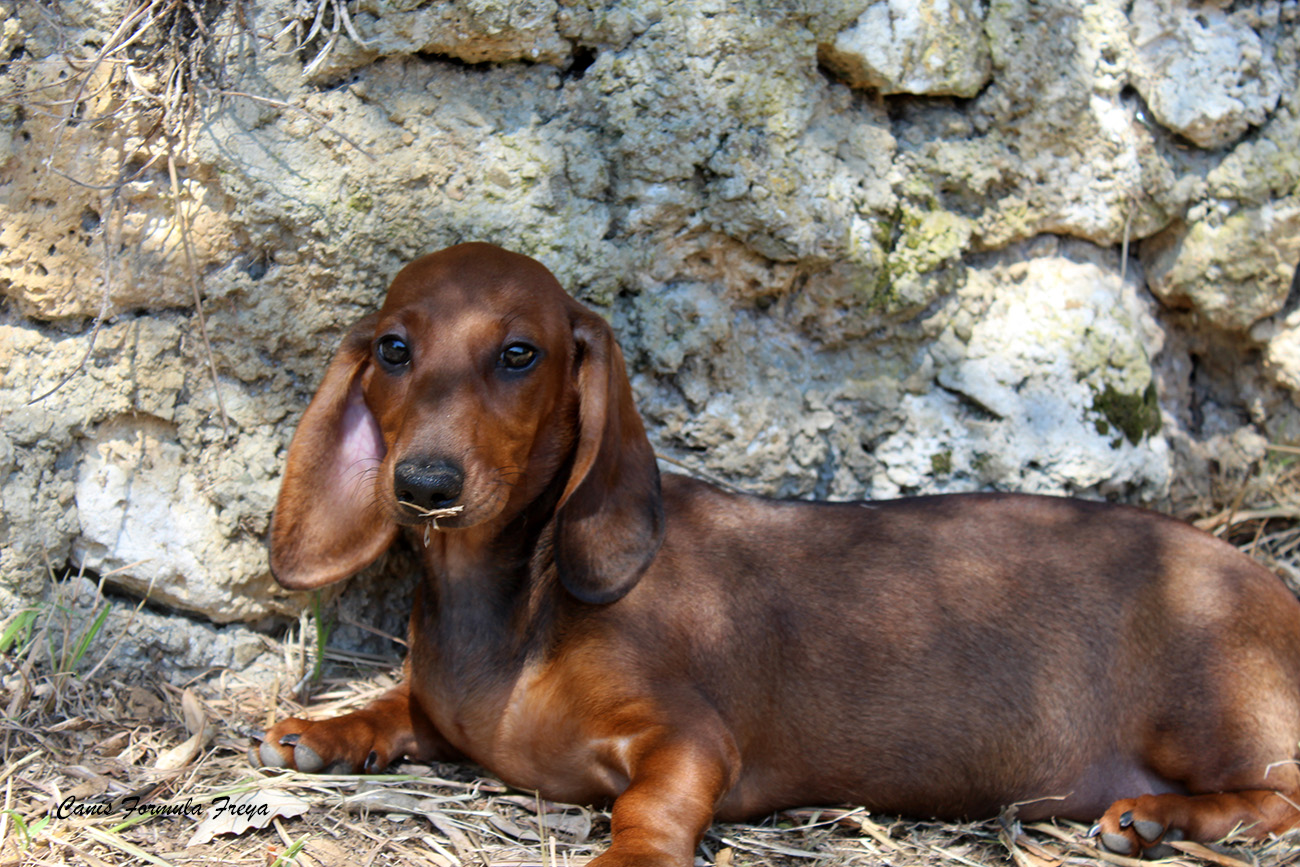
x,y
118,737
1261,514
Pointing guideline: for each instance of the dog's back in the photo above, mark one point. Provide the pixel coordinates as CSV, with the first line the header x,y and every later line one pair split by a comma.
x,y
949,652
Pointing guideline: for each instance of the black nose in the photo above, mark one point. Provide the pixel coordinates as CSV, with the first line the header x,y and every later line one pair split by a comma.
x,y
427,485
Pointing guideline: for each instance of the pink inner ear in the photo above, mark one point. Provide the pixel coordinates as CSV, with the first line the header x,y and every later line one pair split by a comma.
x,y
361,445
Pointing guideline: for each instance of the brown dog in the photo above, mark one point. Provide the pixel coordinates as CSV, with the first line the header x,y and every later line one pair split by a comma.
x,y
686,653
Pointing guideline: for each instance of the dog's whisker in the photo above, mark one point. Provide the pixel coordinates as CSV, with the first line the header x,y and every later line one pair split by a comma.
x,y
510,477
358,474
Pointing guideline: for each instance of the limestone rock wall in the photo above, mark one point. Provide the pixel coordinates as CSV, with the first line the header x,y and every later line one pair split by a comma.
x,y
852,248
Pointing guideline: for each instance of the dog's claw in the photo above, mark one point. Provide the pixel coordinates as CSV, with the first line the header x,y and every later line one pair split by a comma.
x,y
1126,818
371,761
305,759
1117,843
257,735
1094,830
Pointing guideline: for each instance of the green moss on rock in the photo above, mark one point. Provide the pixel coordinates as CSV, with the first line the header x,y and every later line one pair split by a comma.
x,y
929,240
1134,415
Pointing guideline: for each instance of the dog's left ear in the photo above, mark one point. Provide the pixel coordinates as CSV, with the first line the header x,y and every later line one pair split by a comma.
x,y
610,518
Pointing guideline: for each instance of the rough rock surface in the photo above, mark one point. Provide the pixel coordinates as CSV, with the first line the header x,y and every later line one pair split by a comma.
x,y
936,47
862,248
1206,72
1235,269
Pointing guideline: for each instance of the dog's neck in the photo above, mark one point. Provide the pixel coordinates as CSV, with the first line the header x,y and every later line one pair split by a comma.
x,y
454,558
489,601
485,591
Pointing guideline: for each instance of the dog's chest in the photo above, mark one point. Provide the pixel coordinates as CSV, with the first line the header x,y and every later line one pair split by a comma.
x,y
524,716
542,741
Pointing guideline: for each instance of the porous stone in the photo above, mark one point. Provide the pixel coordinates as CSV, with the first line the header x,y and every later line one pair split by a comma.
x,y
478,31
1235,269
136,637
1204,71
822,288
933,47
148,524
1043,381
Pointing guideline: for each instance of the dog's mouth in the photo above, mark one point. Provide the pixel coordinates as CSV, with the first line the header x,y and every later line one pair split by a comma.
x,y
455,505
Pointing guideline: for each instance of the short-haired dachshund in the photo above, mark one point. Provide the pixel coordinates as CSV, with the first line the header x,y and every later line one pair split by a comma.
x,y
590,628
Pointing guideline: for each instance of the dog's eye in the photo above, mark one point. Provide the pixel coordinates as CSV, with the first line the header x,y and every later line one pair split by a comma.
x,y
393,350
518,356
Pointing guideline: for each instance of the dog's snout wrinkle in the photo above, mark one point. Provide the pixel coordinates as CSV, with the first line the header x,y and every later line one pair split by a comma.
x,y
427,485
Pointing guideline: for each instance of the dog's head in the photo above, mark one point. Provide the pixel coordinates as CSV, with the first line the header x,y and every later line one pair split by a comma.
x,y
479,389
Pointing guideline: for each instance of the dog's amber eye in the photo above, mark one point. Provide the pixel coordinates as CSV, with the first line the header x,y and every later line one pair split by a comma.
x,y
518,356
392,350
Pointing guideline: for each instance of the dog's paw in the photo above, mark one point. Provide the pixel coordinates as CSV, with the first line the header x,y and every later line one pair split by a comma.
x,y
351,744
1134,828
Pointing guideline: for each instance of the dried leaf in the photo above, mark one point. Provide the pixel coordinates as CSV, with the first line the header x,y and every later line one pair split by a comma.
x,y
575,826
76,723
762,846
514,829
193,713
250,810
879,834
326,851
1025,853
1031,856
382,801
114,841
180,756
465,848
1205,853
440,855
113,744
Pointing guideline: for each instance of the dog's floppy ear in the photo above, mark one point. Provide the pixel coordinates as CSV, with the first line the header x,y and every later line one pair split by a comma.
x,y
610,518
327,524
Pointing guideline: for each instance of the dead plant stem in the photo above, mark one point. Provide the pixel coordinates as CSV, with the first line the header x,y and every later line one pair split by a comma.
x,y
187,244
281,104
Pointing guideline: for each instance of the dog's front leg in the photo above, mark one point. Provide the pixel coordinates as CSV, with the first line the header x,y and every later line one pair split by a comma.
x,y
364,741
675,784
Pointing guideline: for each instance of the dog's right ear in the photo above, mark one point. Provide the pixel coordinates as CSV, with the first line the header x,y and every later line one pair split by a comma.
x,y
327,523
